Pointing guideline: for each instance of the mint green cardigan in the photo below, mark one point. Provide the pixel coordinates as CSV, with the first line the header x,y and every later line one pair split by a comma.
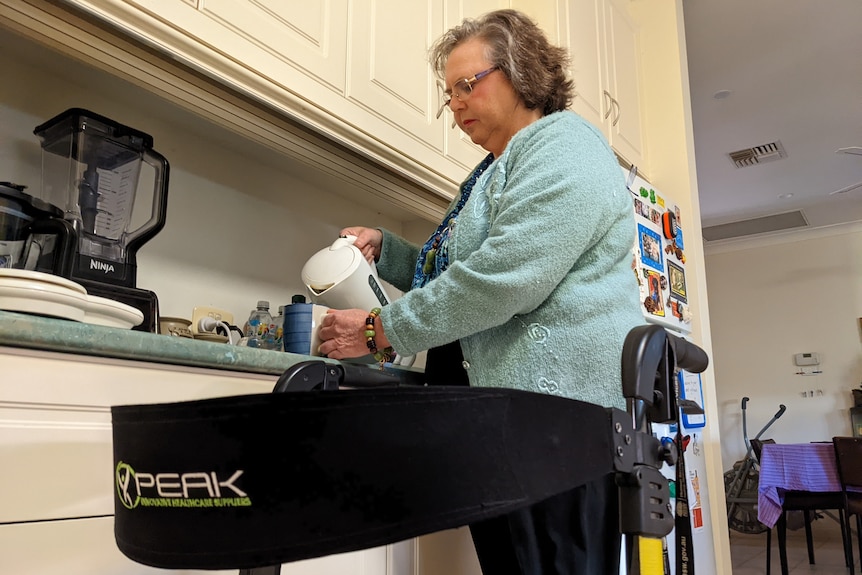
x,y
539,290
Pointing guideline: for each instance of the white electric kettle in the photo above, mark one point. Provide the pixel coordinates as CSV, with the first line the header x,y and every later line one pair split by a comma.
x,y
341,278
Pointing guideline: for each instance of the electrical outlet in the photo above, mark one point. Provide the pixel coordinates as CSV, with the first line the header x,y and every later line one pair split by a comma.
x,y
213,312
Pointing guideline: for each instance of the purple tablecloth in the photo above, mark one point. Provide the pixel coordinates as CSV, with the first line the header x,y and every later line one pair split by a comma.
x,y
793,467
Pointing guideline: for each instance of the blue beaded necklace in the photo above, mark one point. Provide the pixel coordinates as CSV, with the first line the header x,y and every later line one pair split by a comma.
x,y
434,255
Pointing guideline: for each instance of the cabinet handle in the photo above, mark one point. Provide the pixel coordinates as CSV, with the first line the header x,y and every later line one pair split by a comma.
x,y
617,117
608,104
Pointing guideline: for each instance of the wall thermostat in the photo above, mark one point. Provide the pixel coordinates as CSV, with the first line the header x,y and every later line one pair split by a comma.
x,y
806,359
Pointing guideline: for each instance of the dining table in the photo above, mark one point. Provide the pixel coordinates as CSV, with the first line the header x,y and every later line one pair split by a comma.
x,y
793,467
801,476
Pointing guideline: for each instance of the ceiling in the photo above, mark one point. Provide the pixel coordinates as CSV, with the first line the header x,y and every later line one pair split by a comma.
x,y
793,70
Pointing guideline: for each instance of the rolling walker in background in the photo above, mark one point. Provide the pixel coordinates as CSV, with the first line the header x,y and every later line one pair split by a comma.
x,y
741,481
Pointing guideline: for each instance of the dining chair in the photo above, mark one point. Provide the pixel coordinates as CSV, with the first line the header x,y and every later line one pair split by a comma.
x,y
757,448
806,502
848,458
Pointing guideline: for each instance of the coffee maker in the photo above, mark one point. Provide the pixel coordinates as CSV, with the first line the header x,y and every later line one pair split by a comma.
x,y
92,171
20,214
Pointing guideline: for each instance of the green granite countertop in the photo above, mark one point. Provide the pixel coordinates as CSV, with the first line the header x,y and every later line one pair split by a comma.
x,y
59,335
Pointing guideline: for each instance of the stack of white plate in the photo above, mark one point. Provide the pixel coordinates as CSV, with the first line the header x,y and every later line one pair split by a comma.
x,y
38,293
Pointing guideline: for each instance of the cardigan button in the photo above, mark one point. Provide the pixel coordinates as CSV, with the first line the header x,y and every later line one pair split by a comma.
x,y
465,364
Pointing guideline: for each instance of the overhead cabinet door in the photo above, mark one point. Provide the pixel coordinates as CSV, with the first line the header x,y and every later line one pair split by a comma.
x,y
389,76
311,39
603,42
624,82
296,49
582,33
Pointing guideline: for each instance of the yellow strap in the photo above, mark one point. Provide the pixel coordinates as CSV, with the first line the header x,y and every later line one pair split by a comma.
x,y
650,555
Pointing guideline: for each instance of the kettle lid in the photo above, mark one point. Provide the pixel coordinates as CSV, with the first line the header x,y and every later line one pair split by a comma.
x,y
332,265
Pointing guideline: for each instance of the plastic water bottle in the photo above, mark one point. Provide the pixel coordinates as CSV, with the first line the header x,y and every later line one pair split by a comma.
x,y
279,328
260,329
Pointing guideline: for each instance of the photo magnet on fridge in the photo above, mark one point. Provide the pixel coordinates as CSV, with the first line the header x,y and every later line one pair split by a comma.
x,y
650,247
677,281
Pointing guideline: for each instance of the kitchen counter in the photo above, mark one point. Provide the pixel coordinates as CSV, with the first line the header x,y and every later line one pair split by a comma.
x,y
64,336
60,380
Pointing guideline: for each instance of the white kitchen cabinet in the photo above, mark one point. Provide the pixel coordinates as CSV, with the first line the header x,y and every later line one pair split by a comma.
x,y
85,547
624,83
294,60
56,488
604,44
243,41
388,73
269,35
354,70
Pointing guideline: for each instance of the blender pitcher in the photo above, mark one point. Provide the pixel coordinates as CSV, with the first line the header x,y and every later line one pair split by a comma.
x,y
91,170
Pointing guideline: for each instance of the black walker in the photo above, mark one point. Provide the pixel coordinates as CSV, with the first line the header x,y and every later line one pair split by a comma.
x,y
331,479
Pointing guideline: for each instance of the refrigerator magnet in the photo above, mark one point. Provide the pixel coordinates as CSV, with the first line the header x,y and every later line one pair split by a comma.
x,y
650,247
677,281
673,248
690,387
653,302
668,224
641,209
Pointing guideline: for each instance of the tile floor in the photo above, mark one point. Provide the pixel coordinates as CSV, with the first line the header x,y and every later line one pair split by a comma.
x,y
748,552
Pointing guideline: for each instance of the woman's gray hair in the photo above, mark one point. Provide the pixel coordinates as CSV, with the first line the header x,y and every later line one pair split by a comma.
x,y
518,47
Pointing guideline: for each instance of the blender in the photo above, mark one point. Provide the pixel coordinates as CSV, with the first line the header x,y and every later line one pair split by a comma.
x,y
92,171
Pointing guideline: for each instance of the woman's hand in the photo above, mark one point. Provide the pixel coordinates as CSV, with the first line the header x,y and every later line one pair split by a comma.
x,y
342,334
368,241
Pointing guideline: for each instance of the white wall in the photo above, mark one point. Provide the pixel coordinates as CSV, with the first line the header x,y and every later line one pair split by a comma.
x,y
242,220
770,299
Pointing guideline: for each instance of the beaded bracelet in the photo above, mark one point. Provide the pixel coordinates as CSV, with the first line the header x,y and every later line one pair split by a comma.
x,y
380,356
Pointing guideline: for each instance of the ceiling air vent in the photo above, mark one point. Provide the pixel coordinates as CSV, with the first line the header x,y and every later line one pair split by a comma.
x,y
766,224
758,154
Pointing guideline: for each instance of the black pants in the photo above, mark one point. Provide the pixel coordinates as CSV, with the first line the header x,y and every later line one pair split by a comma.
x,y
574,533
443,365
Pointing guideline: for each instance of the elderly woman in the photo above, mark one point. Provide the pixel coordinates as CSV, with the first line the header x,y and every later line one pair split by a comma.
x,y
526,283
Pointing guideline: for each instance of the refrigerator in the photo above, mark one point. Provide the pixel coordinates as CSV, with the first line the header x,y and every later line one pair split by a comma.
x,y
659,263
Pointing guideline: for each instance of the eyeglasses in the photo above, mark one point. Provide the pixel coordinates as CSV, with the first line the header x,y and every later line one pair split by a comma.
x,y
462,89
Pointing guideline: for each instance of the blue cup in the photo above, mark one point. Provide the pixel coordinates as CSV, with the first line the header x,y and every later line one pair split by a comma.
x,y
299,332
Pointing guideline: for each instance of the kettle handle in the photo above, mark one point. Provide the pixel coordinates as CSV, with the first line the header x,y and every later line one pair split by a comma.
x,y
343,241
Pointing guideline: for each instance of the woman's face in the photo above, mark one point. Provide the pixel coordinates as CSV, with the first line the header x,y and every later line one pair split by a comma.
x,y
492,113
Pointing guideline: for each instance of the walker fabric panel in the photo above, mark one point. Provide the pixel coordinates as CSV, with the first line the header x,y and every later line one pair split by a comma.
x,y
256,480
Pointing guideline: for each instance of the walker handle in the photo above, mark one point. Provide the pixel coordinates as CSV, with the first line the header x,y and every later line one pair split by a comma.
x,y
687,355
745,400
779,413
